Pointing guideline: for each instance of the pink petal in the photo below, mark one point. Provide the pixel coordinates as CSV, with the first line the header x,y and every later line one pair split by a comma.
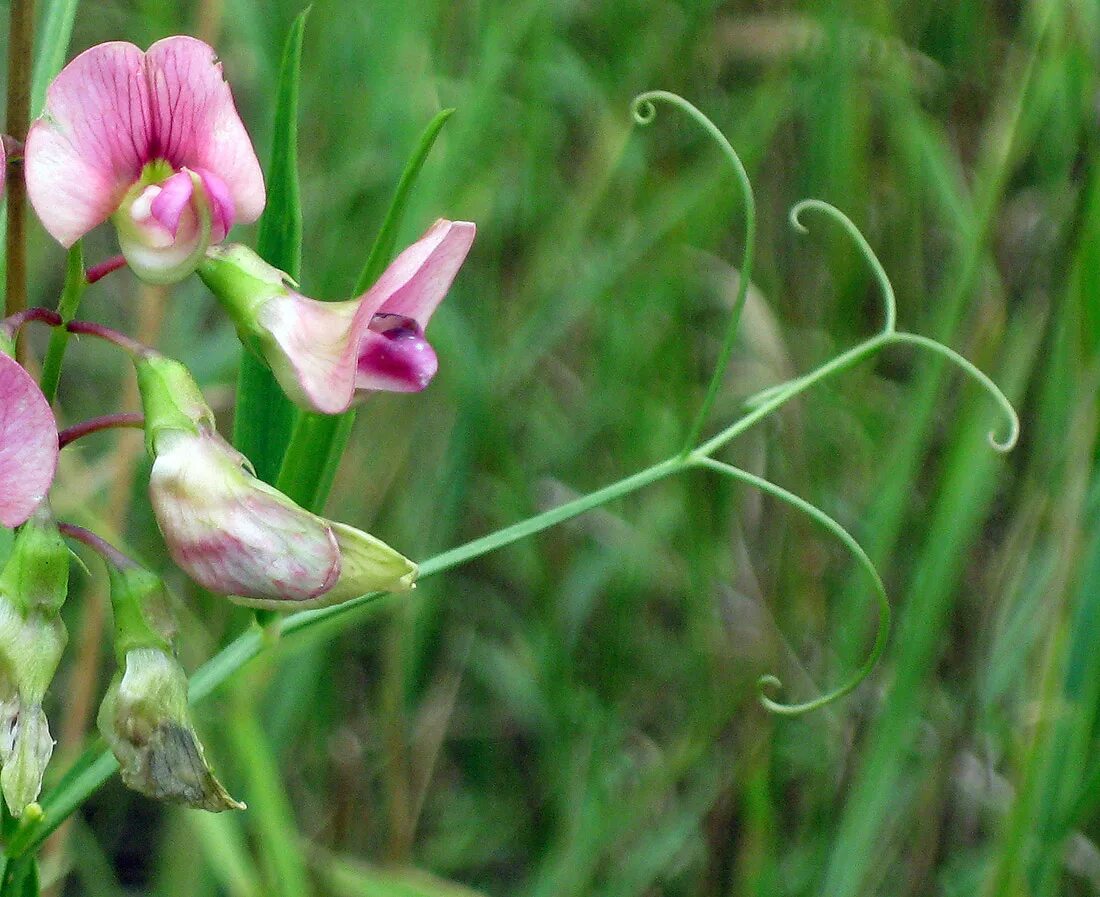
x,y
232,533
28,444
221,205
3,167
417,280
195,123
395,358
315,351
91,142
325,351
174,197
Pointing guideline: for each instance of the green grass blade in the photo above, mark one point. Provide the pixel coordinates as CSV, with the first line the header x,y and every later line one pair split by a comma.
x,y
270,814
264,415
53,46
319,440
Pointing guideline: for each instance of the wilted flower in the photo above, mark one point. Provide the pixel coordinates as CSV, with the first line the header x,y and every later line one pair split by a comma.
x,y
326,353
233,533
144,715
151,139
28,441
33,587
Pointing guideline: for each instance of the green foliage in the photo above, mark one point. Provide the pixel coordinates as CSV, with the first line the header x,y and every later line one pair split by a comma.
x,y
319,440
264,416
577,714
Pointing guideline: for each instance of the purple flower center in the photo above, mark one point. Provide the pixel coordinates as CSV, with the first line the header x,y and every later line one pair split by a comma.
x,y
404,362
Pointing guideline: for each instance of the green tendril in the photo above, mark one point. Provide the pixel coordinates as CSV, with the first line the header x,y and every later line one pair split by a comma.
x,y
770,682
644,111
889,301
1001,445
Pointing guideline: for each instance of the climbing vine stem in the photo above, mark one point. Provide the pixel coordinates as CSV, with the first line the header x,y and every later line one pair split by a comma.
x,y
96,765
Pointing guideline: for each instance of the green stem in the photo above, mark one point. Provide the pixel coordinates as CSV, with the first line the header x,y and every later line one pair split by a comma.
x,y
75,284
883,633
96,765
644,112
20,41
94,768
797,386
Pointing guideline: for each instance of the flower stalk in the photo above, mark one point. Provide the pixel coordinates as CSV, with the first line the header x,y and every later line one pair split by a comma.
x,y
126,420
20,45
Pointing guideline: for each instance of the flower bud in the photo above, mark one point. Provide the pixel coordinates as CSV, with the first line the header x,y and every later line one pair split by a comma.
x,y
233,533
33,586
144,716
326,355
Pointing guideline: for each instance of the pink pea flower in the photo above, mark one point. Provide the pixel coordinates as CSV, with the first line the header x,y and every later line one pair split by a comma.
x,y
327,354
151,140
28,443
233,533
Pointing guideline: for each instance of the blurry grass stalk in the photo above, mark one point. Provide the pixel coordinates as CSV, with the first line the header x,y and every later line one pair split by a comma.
x,y
20,46
955,520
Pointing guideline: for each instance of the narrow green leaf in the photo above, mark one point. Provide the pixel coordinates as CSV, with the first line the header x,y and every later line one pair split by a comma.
x,y
53,46
271,814
382,251
318,443
264,416
20,877
75,284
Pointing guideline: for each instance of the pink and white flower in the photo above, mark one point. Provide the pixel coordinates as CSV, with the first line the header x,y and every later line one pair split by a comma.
x,y
151,140
325,355
233,533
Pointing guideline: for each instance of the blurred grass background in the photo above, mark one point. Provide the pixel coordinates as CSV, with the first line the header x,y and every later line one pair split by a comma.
x,y
576,715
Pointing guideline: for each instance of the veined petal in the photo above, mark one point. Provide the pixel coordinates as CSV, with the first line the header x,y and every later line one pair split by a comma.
x,y
417,280
312,348
91,142
232,533
195,123
28,444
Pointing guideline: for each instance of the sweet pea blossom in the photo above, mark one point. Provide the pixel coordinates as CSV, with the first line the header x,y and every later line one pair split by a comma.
x,y
151,140
233,533
28,443
327,354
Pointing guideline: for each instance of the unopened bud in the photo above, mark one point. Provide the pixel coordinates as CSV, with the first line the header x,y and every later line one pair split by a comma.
x,y
33,586
144,716
145,720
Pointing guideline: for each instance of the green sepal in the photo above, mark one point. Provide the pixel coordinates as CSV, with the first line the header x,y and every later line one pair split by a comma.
x,y
36,575
243,282
141,612
170,399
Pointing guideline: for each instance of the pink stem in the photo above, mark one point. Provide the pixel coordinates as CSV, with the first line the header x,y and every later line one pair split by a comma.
x,y
98,424
88,328
98,272
14,324
98,544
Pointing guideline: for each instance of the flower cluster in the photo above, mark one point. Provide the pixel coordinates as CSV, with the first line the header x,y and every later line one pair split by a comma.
x,y
152,142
